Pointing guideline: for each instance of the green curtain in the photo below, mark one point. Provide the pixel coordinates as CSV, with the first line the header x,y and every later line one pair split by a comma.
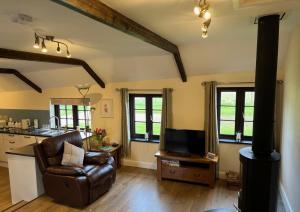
x,y
210,120
278,115
166,116
125,131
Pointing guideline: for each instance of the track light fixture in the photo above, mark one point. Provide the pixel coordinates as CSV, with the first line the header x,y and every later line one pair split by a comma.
x,y
50,39
201,10
36,42
44,48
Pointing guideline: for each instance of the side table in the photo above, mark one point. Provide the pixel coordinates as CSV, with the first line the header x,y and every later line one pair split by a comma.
x,y
116,152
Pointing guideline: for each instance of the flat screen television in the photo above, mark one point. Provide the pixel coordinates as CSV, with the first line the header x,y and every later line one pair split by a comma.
x,y
185,142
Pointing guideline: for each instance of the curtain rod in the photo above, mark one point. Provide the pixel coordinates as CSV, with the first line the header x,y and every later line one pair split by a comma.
x,y
228,83
118,89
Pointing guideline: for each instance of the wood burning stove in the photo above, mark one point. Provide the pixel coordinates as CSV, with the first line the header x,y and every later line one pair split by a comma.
x,y
260,164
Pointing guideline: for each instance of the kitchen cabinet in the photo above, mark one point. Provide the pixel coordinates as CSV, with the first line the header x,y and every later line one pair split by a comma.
x,y
2,150
13,141
39,139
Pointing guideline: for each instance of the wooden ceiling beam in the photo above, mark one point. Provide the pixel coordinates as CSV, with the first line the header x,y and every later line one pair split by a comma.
x,y
29,56
21,77
98,11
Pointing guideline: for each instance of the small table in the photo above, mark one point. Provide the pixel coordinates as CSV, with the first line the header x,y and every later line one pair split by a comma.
x,y
115,152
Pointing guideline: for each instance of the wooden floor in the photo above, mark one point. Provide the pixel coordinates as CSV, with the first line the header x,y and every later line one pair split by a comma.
x,y
5,199
137,190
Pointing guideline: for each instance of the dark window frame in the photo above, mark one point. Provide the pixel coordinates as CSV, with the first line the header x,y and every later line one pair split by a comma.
x,y
239,111
74,114
149,121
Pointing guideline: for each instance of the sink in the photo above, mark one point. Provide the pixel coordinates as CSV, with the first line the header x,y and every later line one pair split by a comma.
x,y
52,132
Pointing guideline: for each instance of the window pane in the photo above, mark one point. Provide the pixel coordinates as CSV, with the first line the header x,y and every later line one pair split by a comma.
x,y
156,116
69,107
140,103
227,128
82,115
81,123
80,107
227,113
156,129
63,122
228,98
140,127
62,114
157,103
62,107
70,123
70,114
249,98
248,128
140,115
88,107
248,113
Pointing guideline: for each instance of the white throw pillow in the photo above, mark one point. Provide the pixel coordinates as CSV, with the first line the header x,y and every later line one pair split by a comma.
x,y
73,155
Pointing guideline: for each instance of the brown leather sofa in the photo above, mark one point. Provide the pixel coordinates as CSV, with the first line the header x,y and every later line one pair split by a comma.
x,y
74,186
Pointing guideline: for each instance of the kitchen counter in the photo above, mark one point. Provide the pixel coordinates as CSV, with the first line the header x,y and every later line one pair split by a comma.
x,y
28,150
39,132
23,151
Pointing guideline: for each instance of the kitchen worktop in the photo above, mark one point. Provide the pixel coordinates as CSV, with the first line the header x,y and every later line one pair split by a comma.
x,y
28,150
37,132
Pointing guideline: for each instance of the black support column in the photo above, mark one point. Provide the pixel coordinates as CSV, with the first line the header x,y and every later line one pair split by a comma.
x,y
265,84
260,165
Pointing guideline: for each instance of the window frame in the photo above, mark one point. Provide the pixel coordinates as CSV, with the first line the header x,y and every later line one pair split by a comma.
x,y
239,111
74,114
149,121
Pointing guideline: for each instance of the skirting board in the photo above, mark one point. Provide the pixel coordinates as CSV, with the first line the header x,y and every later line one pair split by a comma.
x,y
139,164
285,199
3,164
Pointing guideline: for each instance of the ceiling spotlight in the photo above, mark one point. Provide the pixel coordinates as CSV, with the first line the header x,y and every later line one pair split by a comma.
x,y
201,10
204,28
204,34
197,10
68,54
44,49
206,15
58,50
36,42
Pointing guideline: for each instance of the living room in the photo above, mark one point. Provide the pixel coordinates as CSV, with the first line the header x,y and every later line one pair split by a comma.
x,y
227,57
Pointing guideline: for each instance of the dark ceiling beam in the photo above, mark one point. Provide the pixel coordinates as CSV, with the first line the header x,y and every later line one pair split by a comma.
x,y
21,77
29,56
98,11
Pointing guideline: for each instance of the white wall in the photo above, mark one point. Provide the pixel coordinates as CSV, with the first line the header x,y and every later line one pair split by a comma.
x,y
290,166
188,109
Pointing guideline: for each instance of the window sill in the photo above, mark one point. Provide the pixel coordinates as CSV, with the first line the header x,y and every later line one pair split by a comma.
x,y
144,140
231,141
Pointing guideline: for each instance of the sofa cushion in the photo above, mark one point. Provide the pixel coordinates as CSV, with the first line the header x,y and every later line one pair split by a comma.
x,y
73,155
66,170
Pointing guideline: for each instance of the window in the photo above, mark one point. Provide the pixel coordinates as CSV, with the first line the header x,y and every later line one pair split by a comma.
x,y
235,112
71,116
145,116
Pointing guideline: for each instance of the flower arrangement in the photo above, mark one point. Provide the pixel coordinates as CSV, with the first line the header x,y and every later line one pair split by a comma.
x,y
100,133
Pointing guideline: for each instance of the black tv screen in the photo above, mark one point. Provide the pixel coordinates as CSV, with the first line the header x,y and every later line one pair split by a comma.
x,y
185,141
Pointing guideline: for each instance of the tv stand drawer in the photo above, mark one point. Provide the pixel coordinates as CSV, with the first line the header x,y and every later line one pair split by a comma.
x,y
194,175
172,172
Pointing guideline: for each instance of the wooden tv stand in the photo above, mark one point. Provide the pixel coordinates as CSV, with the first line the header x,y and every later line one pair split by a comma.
x,y
191,168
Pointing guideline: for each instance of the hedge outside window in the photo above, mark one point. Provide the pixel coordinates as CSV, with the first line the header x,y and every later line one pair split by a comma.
x,y
145,116
235,112
71,116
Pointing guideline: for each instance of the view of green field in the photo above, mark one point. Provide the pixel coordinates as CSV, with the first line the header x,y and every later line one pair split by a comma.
x,y
140,115
227,112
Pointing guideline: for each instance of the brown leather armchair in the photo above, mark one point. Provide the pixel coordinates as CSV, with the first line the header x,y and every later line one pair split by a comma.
x,y
74,186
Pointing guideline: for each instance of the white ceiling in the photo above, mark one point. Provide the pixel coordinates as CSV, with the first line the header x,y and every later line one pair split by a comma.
x,y
115,56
